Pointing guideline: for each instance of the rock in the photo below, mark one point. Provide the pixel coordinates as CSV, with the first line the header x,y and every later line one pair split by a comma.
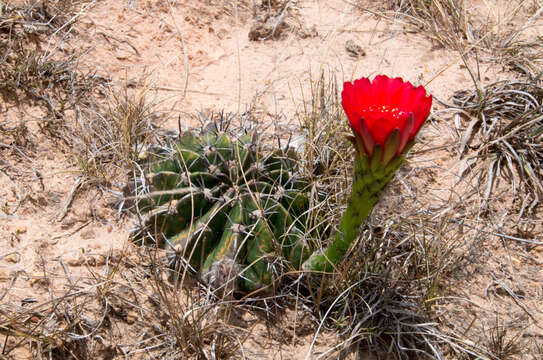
x,y
42,201
68,222
21,229
516,263
131,317
39,280
305,33
13,258
354,50
91,261
76,261
88,234
82,215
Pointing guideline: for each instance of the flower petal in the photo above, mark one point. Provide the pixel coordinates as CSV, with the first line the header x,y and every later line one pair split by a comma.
x,y
406,132
367,137
392,145
378,108
362,88
421,113
351,106
395,88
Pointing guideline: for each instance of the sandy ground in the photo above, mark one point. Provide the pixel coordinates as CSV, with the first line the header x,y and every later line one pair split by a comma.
x,y
197,56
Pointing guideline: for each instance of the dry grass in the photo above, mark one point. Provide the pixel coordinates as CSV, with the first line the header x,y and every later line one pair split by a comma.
x,y
111,134
504,138
456,25
125,309
501,345
446,21
34,71
522,56
105,129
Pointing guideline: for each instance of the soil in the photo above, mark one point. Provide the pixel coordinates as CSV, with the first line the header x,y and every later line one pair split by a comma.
x,y
57,229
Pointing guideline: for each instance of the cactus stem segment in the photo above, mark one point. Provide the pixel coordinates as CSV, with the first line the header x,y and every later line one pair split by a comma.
x,y
370,179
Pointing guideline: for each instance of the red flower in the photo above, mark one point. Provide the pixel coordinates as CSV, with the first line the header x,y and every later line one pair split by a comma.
x,y
386,111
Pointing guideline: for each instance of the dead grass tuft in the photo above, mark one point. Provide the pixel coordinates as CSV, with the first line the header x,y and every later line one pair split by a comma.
x,y
27,19
125,309
501,345
453,24
522,56
445,21
32,70
112,134
505,137
275,19
56,86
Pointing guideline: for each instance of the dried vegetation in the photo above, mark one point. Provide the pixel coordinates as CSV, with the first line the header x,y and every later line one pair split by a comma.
x,y
112,133
504,138
127,309
388,295
36,67
458,25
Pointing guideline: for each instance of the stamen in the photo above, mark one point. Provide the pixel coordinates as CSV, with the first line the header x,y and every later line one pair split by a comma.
x,y
383,111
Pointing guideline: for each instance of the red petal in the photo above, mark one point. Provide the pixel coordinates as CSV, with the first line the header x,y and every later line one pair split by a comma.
x,y
376,108
367,138
379,87
406,99
395,88
406,132
350,106
421,113
362,88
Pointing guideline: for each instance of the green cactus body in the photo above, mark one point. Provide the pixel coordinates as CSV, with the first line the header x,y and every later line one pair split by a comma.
x,y
216,199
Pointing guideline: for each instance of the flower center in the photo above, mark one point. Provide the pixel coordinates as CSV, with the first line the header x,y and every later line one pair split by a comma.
x,y
383,112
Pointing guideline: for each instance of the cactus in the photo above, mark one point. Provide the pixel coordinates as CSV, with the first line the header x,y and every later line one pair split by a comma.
x,y
222,201
385,115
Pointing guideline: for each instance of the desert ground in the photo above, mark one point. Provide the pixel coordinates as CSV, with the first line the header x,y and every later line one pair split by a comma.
x,y
448,266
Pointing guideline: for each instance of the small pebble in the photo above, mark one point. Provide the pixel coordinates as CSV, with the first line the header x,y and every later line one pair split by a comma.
x,y
131,317
68,222
88,234
75,261
13,258
39,280
20,229
354,50
516,263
